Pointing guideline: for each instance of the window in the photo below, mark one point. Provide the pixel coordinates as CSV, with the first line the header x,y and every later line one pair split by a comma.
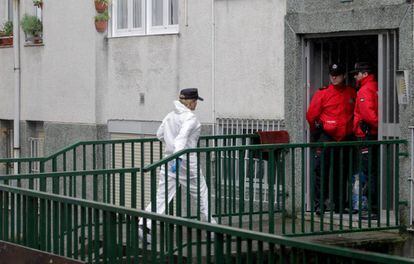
x,y
38,12
144,17
9,9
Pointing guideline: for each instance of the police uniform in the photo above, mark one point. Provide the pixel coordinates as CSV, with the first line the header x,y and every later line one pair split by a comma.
x,y
366,108
365,127
330,117
332,107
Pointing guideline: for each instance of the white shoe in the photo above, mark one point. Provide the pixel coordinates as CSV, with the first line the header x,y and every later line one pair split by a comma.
x,y
141,234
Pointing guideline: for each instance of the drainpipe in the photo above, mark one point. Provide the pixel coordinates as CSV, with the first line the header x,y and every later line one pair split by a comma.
x,y
16,50
213,66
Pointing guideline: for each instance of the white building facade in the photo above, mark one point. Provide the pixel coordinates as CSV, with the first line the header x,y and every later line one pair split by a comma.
x,y
80,84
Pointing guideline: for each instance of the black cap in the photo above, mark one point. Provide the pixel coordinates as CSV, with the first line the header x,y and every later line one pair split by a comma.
x,y
362,67
336,69
190,93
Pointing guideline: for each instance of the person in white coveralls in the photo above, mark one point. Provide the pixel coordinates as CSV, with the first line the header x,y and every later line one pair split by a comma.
x,y
180,130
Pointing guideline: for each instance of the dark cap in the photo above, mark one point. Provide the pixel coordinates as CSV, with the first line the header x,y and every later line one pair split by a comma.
x,y
362,67
190,93
336,69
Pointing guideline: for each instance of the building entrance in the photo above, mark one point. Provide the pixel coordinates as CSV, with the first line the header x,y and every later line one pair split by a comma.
x,y
381,50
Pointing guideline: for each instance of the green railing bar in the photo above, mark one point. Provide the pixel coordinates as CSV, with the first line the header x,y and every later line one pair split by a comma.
x,y
66,173
331,188
293,185
261,174
6,160
388,184
268,147
363,229
321,196
397,184
142,176
303,191
272,174
341,186
251,176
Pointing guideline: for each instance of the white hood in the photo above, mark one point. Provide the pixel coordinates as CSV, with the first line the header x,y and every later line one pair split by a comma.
x,y
179,130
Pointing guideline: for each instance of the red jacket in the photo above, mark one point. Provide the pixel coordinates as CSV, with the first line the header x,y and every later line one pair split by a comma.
x,y
333,107
366,107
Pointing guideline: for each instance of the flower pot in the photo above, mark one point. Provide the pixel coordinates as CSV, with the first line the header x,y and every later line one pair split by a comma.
x,y
6,41
100,7
37,40
101,25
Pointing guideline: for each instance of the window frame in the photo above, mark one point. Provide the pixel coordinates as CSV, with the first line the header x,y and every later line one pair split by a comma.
x,y
146,21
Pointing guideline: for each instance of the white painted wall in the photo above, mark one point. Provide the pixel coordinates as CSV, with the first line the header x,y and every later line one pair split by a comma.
x,y
58,79
6,83
79,76
249,59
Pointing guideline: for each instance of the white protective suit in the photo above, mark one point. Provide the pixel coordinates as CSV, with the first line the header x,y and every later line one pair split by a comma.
x,y
180,130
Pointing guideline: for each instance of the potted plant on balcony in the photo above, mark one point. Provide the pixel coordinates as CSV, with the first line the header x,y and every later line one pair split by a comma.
x,y
101,21
38,3
101,5
6,35
32,28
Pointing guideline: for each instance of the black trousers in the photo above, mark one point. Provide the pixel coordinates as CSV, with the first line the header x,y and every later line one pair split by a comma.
x,y
368,165
330,174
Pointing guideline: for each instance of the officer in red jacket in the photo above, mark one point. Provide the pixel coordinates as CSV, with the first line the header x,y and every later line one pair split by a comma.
x,y
366,107
330,117
366,128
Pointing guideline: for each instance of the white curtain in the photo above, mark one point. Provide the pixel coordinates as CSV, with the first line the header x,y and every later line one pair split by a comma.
x,y
172,12
157,12
10,10
122,14
137,14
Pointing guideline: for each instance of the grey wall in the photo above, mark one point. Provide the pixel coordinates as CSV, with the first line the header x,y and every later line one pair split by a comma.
x,y
335,5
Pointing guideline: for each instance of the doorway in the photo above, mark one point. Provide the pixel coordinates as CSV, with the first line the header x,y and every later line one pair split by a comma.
x,y
378,48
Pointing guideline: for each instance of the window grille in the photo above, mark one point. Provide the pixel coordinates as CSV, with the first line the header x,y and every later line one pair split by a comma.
x,y
10,143
36,150
227,126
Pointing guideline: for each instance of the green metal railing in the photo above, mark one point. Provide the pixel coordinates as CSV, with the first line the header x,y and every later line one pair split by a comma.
x,y
249,186
282,177
100,233
106,154
107,186
108,171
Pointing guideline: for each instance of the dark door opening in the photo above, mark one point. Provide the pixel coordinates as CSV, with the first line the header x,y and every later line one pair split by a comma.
x,y
344,50
381,50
